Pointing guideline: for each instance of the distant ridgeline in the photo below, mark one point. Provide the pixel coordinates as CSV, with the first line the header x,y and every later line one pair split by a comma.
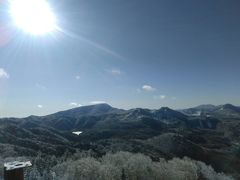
x,y
206,133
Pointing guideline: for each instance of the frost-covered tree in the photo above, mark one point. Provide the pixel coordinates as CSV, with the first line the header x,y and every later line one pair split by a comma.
x,y
119,166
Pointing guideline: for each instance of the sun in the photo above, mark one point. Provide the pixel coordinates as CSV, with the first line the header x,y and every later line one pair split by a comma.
x,y
33,16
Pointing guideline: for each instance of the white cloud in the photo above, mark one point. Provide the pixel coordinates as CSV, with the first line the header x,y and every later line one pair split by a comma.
x,y
3,74
74,104
115,71
41,87
40,106
77,77
98,102
160,97
148,88
173,98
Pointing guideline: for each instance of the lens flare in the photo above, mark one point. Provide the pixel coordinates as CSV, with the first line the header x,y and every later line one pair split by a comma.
x,y
33,16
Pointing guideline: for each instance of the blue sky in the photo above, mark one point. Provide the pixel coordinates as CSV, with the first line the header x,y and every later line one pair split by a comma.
x,y
128,53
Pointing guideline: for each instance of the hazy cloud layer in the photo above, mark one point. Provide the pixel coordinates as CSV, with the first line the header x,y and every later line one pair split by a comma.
x,y
139,90
77,77
160,97
115,71
41,87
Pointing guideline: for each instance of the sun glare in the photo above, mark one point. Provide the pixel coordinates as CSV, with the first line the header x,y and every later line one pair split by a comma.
x,y
33,16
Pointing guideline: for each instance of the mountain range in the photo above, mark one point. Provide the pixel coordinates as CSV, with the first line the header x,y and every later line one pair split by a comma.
x,y
221,111
208,133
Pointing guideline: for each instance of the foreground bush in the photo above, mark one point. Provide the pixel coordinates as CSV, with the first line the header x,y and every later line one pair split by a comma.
x,y
118,166
128,166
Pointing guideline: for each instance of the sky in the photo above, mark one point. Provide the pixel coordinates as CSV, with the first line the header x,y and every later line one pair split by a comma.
x,y
127,53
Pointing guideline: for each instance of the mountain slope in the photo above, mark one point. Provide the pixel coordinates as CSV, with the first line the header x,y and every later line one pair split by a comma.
x,y
221,111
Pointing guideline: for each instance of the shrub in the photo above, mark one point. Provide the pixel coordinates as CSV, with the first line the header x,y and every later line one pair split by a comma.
x,y
120,166
129,166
